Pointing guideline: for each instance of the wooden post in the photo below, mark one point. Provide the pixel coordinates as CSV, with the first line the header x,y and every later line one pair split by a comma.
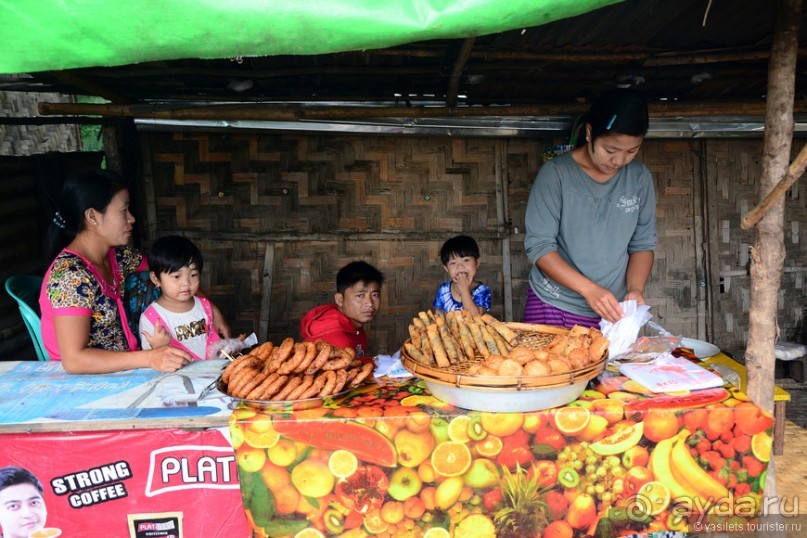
x,y
266,291
768,253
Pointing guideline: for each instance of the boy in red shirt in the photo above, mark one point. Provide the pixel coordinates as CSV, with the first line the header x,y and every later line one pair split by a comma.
x,y
357,298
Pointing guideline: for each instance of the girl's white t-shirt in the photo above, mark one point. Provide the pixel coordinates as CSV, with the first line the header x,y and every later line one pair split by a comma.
x,y
188,328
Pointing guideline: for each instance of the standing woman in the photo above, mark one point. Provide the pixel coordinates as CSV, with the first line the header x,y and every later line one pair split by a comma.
x,y
591,220
83,318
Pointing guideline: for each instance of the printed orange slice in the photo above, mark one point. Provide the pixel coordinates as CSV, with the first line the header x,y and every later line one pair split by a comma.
x,y
458,429
655,497
489,447
343,463
572,420
761,444
451,458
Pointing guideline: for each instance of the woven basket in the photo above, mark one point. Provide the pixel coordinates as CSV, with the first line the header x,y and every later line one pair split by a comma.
x,y
532,336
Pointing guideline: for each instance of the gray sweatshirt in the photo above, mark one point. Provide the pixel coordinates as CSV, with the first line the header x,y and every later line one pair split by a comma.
x,y
593,226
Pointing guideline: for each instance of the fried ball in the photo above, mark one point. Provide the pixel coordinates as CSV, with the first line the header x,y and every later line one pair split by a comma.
x,y
521,355
509,367
559,366
536,368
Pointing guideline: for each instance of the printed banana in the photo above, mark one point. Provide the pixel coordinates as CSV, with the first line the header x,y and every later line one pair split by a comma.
x,y
687,471
660,459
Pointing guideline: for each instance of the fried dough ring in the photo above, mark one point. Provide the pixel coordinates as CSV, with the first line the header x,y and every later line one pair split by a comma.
x,y
365,371
251,384
263,351
320,359
315,388
310,355
337,364
241,378
330,383
290,385
341,380
294,361
279,355
301,388
272,389
351,373
237,365
255,394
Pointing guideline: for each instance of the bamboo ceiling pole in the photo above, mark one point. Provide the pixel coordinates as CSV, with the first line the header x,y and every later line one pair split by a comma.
x,y
795,171
259,112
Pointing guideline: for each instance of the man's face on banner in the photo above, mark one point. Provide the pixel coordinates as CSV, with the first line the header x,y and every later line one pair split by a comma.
x,y
22,510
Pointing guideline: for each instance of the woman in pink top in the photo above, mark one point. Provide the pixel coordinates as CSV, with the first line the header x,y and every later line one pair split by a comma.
x,y
83,319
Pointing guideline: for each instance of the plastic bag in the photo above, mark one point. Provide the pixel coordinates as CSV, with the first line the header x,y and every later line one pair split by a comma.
x,y
623,333
788,351
230,346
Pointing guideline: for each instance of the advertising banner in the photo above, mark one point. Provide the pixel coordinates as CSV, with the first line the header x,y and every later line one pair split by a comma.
x,y
166,483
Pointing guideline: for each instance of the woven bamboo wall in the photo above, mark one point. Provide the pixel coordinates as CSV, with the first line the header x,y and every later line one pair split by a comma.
x,y
319,202
734,168
19,140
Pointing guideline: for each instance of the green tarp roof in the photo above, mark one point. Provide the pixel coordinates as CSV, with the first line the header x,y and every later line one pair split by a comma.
x,y
44,35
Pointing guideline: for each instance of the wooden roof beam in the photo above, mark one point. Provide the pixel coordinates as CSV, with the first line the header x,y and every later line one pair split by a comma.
x,y
258,112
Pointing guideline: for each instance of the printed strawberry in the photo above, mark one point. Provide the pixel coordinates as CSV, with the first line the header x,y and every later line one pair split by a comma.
x,y
712,435
703,446
719,476
753,466
731,478
741,489
734,465
727,436
742,443
712,460
725,449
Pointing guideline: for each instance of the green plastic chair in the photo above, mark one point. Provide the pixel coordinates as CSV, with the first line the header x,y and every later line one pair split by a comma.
x,y
25,290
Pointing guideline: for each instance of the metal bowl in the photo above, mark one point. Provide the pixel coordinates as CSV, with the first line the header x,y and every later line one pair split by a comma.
x,y
277,405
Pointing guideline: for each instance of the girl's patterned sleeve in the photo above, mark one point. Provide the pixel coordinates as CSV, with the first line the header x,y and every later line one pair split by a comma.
x,y
439,298
482,297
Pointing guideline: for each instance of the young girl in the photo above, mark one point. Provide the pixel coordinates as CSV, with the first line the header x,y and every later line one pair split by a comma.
x,y
178,317
460,257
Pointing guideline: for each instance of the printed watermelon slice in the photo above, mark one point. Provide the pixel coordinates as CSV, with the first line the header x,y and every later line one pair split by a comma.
x,y
698,398
364,442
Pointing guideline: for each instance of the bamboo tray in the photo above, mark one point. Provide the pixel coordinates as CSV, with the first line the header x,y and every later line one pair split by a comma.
x,y
512,393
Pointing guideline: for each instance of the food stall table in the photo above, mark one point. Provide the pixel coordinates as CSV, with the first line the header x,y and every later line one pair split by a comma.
x,y
129,454
390,459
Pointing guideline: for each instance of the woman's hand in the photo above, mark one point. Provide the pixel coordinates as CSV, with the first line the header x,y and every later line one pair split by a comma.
x,y
168,359
637,296
603,303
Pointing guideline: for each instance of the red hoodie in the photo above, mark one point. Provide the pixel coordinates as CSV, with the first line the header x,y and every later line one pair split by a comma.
x,y
327,323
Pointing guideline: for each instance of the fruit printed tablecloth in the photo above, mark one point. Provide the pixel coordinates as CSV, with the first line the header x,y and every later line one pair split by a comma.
x,y
391,460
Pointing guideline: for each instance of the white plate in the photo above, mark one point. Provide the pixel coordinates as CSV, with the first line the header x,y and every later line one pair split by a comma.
x,y
703,350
